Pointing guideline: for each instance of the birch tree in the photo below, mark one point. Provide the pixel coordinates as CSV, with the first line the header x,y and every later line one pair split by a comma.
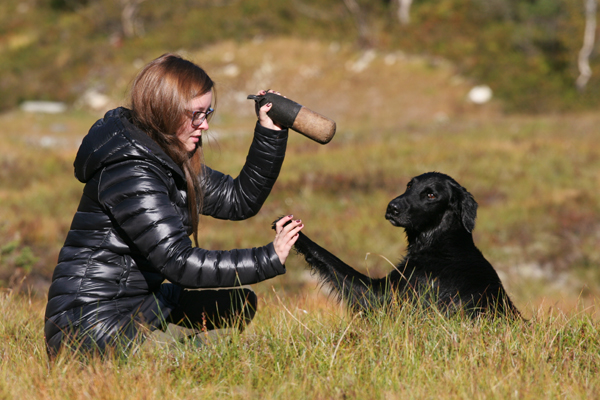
x,y
364,33
404,11
129,21
589,38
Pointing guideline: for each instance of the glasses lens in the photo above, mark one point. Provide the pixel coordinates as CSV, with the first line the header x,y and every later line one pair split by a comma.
x,y
199,116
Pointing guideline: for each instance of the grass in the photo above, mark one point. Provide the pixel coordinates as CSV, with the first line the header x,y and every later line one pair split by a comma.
x,y
304,347
535,179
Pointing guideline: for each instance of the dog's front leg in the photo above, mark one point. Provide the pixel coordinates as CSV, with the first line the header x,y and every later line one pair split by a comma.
x,y
360,292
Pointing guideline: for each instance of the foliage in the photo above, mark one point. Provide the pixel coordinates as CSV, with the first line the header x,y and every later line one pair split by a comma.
x,y
525,50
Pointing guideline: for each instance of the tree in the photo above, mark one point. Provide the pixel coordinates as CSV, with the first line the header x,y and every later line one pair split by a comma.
x,y
364,33
589,38
131,25
404,11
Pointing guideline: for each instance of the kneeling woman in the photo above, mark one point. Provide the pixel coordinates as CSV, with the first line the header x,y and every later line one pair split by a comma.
x,y
145,185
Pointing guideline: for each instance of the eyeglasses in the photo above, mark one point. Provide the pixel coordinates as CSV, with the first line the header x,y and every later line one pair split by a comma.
x,y
198,117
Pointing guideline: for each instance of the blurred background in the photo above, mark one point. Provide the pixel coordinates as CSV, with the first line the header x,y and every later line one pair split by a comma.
x,y
503,95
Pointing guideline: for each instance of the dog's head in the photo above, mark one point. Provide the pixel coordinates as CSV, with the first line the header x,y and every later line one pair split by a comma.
x,y
433,201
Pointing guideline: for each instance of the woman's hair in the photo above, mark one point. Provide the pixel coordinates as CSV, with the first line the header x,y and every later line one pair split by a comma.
x,y
159,97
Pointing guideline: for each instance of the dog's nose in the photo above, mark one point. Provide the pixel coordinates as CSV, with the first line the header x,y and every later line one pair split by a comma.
x,y
395,212
393,208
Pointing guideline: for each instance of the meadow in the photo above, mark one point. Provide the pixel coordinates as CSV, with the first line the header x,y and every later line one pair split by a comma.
x,y
535,178
305,348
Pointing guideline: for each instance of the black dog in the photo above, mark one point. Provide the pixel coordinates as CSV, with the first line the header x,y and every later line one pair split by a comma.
x,y
442,267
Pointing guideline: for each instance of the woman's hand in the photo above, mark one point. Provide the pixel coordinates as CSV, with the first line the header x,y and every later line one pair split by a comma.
x,y
286,236
261,112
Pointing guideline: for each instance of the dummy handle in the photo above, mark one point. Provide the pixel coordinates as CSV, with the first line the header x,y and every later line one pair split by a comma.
x,y
290,114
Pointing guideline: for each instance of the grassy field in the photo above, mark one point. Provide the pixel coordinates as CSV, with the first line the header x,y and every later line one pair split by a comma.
x,y
535,178
306,348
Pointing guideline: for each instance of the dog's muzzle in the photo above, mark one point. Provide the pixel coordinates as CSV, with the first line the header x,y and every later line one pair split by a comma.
x,y
394,212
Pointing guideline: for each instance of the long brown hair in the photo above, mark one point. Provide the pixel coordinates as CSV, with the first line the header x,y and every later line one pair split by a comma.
x,y
159,96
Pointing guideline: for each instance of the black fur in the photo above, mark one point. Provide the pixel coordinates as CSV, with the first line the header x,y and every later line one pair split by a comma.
x,y
442,266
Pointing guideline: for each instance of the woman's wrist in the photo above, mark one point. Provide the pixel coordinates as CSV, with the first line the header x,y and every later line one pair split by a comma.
x,y
269,124
269,131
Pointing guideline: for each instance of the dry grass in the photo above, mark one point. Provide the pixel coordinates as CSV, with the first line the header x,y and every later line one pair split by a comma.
x,y
535,178
303,347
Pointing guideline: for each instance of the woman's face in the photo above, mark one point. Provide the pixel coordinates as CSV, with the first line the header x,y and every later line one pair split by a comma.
x,y
190,136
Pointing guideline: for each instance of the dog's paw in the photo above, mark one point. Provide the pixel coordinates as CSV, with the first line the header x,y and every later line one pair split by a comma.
x,y
277,220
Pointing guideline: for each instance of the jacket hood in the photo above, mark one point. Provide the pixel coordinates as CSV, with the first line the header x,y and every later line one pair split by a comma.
x,y
114,139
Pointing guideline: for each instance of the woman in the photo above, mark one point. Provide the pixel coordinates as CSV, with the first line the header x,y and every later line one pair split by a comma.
x,y
145,185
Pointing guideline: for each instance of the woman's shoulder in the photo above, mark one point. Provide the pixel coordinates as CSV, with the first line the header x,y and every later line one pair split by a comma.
x,y
133,179
137,172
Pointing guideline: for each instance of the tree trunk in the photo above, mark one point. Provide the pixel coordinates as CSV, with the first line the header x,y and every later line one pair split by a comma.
x,y
589,38
364,35
404,11
131,27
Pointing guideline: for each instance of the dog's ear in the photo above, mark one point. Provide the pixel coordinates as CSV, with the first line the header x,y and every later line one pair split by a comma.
x,y
468,211
467,206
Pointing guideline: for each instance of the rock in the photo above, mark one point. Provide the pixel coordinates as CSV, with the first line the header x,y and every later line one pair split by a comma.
x,y
47,107
480,94
95,100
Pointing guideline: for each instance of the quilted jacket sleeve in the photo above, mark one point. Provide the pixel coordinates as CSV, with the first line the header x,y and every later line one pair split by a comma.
x,y
242,197
136,196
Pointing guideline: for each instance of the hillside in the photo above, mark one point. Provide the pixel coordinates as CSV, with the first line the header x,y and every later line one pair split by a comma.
x,y
526,52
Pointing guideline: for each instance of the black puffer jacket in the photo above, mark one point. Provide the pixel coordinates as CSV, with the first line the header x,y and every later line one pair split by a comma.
x,y
131,232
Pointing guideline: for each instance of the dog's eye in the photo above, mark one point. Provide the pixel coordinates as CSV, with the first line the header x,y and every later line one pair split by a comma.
x,y
431,196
